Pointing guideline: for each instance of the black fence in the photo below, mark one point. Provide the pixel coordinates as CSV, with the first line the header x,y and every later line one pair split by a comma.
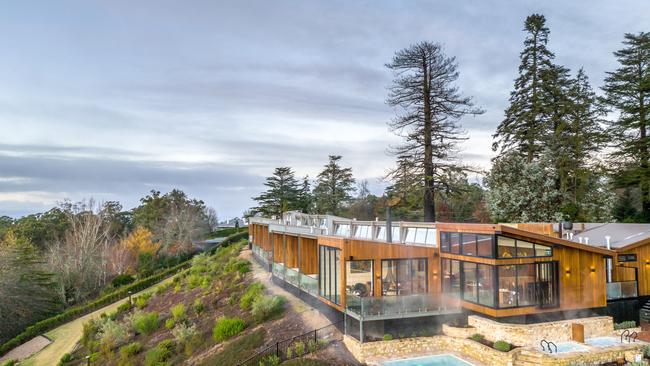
x,y
297,346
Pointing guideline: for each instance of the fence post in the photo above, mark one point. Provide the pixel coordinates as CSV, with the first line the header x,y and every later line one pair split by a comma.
x,y
277,349
315,339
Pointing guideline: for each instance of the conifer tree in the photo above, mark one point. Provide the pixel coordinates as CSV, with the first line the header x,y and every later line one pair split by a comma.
x,y
334,186
282,193
305,199
524,124
627,91
430,107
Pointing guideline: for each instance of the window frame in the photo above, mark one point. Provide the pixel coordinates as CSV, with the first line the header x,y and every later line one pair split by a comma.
x,y
516,240
446,244
397,270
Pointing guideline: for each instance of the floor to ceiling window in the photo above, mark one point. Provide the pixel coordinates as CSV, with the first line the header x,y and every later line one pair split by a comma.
x,y
329,262
359,278
403,276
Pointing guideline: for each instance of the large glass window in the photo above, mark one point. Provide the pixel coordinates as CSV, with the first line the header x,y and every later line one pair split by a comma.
x,y
469,244
454,243
403,276
359,278
444,242
470,282
528,285
421,235
475,245
451,277
381,234
516,248
363,231
507,286
485,247
329,262
486,285
342,229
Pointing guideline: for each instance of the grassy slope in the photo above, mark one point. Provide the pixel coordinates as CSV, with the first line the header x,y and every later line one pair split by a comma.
x,y
66,336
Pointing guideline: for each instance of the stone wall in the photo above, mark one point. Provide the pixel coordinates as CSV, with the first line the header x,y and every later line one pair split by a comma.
x,y
374,352
458,332
524,335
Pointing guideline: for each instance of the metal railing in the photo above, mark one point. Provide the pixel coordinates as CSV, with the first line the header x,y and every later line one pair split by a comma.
x,y
621,290
397,306
297,346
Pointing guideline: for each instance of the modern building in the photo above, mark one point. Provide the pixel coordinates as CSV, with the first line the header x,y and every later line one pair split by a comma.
x,y
408,277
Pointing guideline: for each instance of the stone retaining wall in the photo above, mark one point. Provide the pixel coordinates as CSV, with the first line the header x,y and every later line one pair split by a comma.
x,y
458,332
524,335
374,352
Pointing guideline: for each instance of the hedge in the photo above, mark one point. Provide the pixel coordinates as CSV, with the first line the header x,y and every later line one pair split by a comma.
x,y
230,240
78,311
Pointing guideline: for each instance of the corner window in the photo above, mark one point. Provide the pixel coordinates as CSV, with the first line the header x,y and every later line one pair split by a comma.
x,y
469,244
516,248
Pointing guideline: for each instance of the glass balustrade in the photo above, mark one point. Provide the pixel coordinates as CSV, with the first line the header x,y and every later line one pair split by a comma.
x,y
621,290
292,276
278,269
400,305
309,284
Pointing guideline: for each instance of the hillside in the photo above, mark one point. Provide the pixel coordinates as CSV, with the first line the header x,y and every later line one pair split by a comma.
x,y
214,313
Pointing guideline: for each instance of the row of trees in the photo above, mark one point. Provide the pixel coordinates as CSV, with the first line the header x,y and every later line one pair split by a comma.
x,y
561,156
62,257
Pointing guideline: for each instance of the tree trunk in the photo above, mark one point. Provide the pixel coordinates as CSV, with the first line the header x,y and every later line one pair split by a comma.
x,y
429,191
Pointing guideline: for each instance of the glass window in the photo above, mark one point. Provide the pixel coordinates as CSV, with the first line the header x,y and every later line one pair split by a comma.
x,y
486,285
396,234
469,244
403,276
432,237
505,247
444,241
469,282
454,243
410,235
419,273
451,277
421,235
524,249
526,284
381,233
363,232
359,278
485,247
389,278
330,273
507,286
342,230
543,251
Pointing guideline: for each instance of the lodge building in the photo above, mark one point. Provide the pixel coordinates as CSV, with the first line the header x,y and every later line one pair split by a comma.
x,y
408,277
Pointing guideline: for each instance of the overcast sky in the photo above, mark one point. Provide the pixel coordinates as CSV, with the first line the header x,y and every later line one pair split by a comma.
x,y
110,99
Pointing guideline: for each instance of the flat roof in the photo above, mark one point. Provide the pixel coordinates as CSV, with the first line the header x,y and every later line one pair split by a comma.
x,y
620,235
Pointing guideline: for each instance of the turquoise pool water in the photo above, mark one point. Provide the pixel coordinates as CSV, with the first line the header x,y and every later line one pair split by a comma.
x,y
603,341
439,360
565,347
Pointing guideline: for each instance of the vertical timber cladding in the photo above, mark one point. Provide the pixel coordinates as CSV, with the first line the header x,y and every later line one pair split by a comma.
x,y
277,243
642,251
291,251
582,278
376,251
308,255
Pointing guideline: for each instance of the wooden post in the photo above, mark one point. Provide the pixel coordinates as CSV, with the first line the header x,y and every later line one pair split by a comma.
x,y
578,332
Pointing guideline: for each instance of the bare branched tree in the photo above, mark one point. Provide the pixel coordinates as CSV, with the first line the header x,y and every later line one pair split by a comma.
x,y
81,259
430,109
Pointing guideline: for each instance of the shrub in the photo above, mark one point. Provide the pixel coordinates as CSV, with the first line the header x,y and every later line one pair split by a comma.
x,y
89,332
141,302
625,325
124,307
183,333
312,345
300,348
252,292
170,323
94,357
477,337
112,334
145,323
193,281
198,306
159,354
65,359
289,353
178,311
10,363
271,360
502,346
264,307
121,280
237,265
646,351
226,328
177,288
387,337
162,288
130,350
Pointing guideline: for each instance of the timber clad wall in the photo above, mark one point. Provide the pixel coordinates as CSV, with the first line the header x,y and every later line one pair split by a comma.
x,y
642,252
309,256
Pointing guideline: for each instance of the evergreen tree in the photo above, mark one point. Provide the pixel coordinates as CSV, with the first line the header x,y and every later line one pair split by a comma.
x,y
524,124
431,106
305,199
334,186
627,91
282,194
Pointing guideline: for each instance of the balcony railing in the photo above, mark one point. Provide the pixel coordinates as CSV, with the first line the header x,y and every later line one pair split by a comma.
x,y
292,276
278,270
400,306
621,290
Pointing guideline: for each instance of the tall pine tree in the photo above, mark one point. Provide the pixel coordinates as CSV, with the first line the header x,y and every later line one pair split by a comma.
x,y
334,186
282,194
431,106
627,91
524,124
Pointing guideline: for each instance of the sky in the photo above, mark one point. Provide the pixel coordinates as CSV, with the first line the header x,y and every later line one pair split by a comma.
x,y
111,99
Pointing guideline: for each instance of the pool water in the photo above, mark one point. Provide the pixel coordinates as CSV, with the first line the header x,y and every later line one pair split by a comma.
x,y
603,341
439,360
565,347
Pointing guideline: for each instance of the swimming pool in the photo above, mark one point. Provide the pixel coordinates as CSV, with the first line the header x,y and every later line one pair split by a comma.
x,y
603,341
565,347
438,360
